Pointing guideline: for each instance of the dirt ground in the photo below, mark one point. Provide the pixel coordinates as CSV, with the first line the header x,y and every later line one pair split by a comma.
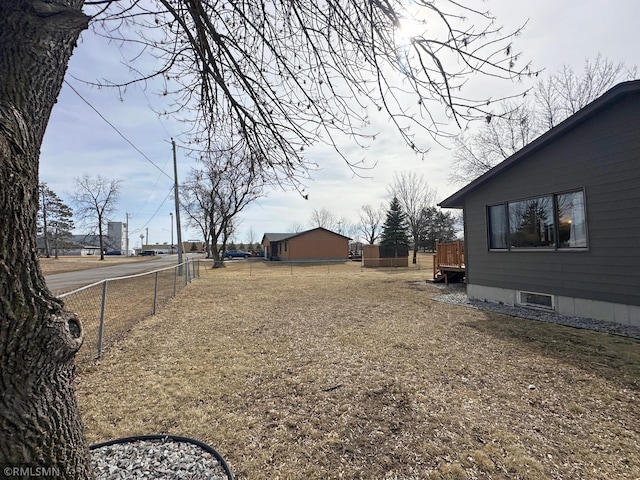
x,y
339,372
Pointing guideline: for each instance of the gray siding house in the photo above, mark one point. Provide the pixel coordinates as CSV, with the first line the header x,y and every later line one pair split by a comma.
x,y
557,225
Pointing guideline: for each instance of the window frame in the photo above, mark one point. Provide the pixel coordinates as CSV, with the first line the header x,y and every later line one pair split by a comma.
x,y
529,202
584,213
556,224
537,305
505,210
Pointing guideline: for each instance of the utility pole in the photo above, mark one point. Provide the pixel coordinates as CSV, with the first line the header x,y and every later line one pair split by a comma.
x,y
126,247
171,217
175,194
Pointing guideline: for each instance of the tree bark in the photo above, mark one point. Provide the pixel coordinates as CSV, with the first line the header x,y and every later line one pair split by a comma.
x,y
40,424
45,231
101,237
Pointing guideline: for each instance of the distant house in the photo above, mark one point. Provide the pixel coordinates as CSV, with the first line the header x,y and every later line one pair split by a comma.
x,y
557,225
73,245
159,248
89,244
316,244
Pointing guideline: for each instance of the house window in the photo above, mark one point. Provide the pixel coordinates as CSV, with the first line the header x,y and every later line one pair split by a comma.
x,y
546,222
498,227
572,225
534,299
531,223
285,246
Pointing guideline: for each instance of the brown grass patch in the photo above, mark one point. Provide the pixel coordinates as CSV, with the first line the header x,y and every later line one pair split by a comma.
x,y
356,373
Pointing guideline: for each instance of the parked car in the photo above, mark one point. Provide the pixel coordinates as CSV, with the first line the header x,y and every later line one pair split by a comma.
x,y
114,252
236,254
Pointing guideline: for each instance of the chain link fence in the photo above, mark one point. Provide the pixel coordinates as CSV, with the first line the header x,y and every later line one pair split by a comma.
x,y
110,308
258,267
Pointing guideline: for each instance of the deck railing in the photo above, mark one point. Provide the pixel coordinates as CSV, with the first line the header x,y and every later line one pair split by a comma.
x,y
449,257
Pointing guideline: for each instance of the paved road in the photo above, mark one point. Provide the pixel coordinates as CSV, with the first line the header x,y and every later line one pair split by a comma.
x,y
64,282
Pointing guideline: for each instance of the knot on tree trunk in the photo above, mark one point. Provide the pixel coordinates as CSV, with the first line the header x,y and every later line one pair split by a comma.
x,y
65,16
67,335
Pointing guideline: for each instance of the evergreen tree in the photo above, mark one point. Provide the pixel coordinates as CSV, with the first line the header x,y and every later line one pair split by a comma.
x,y
533,230
394,231
438,226
55,220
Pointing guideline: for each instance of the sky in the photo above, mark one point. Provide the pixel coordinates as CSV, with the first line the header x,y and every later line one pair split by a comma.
x,y
80,137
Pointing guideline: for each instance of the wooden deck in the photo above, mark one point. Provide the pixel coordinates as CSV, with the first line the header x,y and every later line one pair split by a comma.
x,y
448,262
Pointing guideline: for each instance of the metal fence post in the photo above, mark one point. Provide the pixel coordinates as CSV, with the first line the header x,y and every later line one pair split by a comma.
x,y
186,273
175,280
102,311
155,294
102,288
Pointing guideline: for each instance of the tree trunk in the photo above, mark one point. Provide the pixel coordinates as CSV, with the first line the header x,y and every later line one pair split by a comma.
x,y
39,419
100,237
217,255
45,231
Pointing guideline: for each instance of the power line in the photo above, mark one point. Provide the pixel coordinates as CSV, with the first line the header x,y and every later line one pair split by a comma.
x,y
132,145
117,131
154,213
143,91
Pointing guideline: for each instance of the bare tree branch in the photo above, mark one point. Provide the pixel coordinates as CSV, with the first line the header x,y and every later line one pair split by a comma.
x,y
517,124
218,192
289,74
323,218
371,220
95,200
414,195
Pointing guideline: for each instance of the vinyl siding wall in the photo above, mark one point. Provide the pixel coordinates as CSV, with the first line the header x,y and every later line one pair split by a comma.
x,y
316,245
601,156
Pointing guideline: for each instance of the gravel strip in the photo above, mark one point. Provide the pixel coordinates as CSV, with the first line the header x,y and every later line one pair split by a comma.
x,y
156,459
456,294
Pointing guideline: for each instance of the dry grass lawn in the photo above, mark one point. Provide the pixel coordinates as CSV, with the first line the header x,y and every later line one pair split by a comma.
x,y
327,373
64,264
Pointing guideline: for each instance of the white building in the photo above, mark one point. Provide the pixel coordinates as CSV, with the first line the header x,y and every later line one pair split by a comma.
x,y
117,237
